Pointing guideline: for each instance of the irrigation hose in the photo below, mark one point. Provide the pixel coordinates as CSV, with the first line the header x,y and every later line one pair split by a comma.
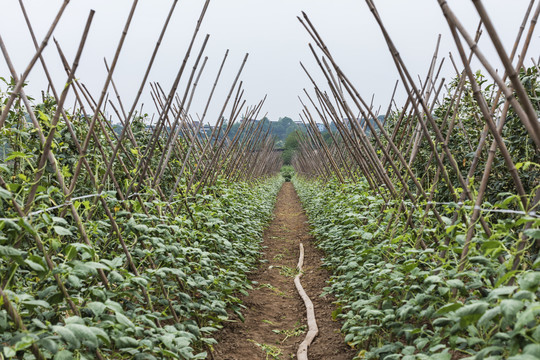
x,y
313,330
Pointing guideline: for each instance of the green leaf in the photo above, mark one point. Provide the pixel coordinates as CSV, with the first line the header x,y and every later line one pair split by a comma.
x,y
24,343
489,315
523,357
36,263
527,316
434,279
530,280
84,334
97,307
68,336
501,291
62,231
122,319
74,281
5,194
441,356
532,349
448,308
439,322
491,244
16,155
101,334
455,283
532,233
468,314
64,355
511,307
482,260
9,352
49,344
536,334
473,309
524,295
12,253
70,252
34,303
126,342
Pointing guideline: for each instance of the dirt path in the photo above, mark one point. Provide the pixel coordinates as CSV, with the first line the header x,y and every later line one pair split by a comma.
x,y
275,316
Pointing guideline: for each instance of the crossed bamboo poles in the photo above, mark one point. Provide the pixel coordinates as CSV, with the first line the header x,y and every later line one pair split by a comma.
x,y
361,148
178,159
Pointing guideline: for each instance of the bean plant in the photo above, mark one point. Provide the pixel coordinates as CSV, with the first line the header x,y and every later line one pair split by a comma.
x,y
137,277
400,301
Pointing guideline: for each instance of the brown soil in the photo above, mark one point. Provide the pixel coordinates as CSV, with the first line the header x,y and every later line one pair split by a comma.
x,y
274,307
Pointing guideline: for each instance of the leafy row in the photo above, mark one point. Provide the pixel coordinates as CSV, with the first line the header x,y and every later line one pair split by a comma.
x,y
191,268
401,301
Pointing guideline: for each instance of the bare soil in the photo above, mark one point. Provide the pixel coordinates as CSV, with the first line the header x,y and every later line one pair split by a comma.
x,y
275,315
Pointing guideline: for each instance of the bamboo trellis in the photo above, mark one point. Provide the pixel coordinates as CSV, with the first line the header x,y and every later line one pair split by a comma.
x,y
361,145
156,168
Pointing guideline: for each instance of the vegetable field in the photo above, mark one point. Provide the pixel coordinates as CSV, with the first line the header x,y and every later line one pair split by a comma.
x,y
429,217
131,239
127,235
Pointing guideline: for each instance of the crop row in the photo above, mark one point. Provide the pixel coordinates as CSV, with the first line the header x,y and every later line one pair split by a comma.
x,y
402,301
199,268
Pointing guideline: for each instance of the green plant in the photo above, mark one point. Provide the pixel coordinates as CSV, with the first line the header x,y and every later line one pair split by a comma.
x,y
297,331
128,277
270,351
287,172
398,300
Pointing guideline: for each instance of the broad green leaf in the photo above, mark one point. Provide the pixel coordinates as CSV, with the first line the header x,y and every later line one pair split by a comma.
x,y
11,252
97,307
532,349
530,280
523,357
64,355
9,352
84,334
532,233
442,322
122,319
35,263
434,279
448,307
455,283
62,231
441,356
51,344
126,342
501,291
74,281
489,315
511,307
34,303
468,314
527,316
5,194
101,334
473,309
68,336
23,343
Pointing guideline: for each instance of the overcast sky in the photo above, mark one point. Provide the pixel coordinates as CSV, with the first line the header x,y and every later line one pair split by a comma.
x,y
267,30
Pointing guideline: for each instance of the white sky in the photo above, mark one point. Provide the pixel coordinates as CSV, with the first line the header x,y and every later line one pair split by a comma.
x,y
268,30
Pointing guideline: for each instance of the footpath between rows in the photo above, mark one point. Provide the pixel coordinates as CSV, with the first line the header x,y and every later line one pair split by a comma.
x,y
275,315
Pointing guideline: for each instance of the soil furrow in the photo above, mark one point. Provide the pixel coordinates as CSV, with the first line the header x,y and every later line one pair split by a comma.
x,y
275,316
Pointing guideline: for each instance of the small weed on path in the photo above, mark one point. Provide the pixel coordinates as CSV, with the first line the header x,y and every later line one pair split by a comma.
x,y
297,331
271,351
